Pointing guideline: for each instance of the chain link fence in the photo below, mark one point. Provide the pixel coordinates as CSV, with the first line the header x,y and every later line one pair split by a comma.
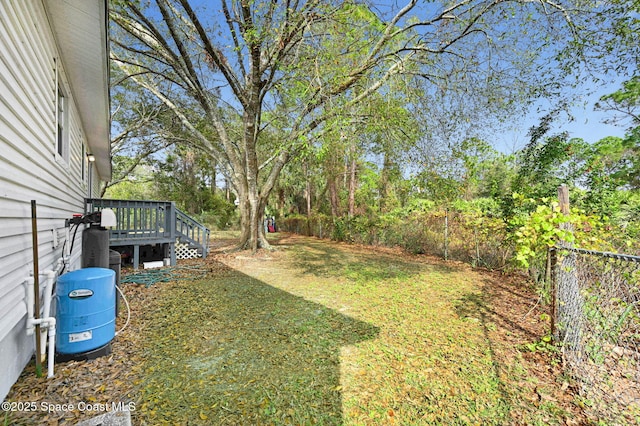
x,y
453,235
597,321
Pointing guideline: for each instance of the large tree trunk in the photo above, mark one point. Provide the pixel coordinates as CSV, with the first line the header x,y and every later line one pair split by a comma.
x,y
252,205
253,202
252,236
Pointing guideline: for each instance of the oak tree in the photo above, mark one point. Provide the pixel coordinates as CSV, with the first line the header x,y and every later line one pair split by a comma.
x,y
254,82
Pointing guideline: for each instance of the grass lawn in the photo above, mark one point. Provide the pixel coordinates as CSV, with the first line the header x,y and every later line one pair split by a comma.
x,y
325,333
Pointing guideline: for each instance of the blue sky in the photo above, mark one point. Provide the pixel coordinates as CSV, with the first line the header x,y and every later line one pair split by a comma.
x,y
587,124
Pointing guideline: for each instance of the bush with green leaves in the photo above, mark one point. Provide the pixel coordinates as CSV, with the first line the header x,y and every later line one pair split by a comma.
x,y
220,215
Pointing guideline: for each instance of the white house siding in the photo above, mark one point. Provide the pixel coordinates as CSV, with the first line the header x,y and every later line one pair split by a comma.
x,y
30,169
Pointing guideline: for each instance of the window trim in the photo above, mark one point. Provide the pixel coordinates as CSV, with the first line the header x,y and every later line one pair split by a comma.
x,y
62,139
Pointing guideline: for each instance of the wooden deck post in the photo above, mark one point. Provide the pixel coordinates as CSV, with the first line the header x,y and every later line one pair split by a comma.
x,y
136,256
174,236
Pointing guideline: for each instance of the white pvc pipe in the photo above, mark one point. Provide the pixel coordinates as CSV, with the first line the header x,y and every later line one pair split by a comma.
x,y
48,292
50,324
46,321
51,357
52,347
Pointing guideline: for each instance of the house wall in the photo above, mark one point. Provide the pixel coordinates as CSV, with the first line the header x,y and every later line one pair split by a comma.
x,y
31,169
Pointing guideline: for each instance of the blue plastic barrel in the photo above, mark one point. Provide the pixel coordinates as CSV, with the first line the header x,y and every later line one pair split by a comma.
x,y
85,317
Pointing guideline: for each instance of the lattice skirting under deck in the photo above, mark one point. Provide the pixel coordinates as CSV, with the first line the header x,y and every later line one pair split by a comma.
x,y
184,252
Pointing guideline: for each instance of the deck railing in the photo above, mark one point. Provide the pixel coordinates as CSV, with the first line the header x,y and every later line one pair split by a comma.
x,y
143,222
192,231
152,222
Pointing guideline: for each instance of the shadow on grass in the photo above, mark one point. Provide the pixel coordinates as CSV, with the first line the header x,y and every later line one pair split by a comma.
x,y
478,307
230,349
474,306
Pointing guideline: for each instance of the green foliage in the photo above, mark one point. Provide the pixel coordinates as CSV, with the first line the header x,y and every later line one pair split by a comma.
x,y
627,218
441,188
539,231
608,170
138,184
414,205
535,232
625,100
544,345
340,230
626,104
186,177
483,206
383,77
497,177
221,214
131,190
546,163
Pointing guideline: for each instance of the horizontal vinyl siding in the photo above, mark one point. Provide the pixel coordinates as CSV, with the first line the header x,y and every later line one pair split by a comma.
x,y
24,66
29,170
8,304
75,153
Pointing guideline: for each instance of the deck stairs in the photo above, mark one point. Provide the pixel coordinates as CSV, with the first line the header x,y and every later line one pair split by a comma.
x,y
141,223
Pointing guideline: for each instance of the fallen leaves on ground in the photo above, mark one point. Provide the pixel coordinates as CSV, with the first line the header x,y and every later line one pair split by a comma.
x,y
319,333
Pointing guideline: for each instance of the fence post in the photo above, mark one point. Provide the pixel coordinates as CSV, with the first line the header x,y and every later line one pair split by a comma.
x,y
477,246
446,233
568,299
553,268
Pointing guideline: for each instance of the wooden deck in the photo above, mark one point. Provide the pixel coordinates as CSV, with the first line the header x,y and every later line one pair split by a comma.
x,y
141,223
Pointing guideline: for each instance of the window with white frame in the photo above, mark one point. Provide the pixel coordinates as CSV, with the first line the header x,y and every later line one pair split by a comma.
x,y
61,116
62,125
